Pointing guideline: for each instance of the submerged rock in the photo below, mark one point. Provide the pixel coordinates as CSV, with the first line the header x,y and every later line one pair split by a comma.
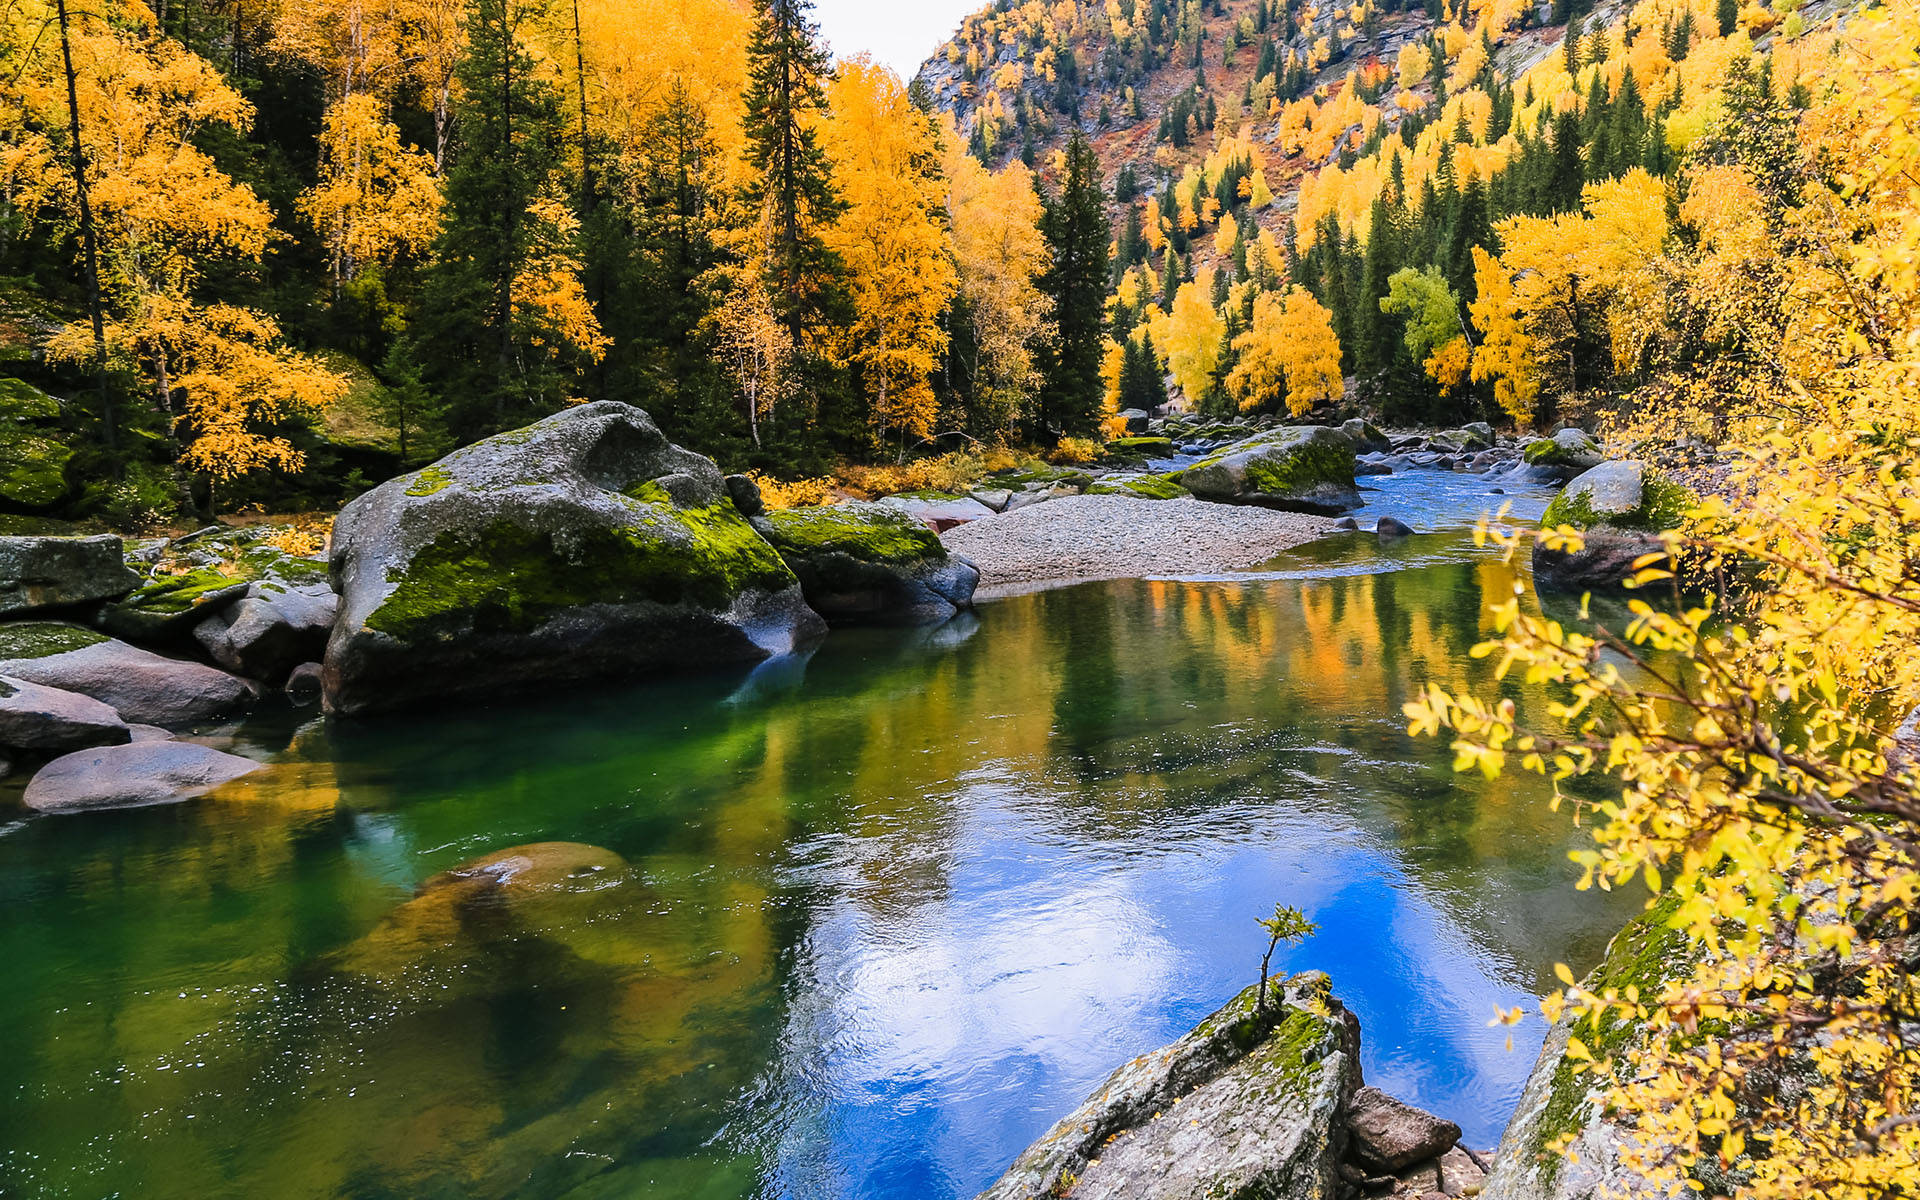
x,y
60,572
586,546
870,563
1247,1105
1622,507
36,717
144,687
136,775
1299,468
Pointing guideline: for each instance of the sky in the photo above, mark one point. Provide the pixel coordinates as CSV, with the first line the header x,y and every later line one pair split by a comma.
x,y
898,33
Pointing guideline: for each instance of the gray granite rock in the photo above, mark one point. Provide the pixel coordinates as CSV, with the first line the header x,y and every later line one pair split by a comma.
x,y
1391,1136
144,687
1248,1105
137,775
38,573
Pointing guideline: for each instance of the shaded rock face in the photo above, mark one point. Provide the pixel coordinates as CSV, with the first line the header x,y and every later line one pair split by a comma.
x,y
54,572
145,688
34,717
870,564
1304,468
272,630
1558,1103
137,775
585,546
1247,1105
1391,1136
1622,507
206,574
939,513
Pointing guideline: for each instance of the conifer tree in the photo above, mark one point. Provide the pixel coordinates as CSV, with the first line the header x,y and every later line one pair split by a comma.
x,y
792,181
1074,225
498,362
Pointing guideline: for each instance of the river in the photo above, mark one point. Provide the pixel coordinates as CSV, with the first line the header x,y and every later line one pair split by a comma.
x,y
887,913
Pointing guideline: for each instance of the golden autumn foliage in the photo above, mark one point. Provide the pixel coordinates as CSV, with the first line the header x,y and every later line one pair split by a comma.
x,y
1290,352
1188,338
892,238
1750,720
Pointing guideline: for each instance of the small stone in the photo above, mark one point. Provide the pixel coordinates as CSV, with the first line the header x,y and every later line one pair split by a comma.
x,y
305,684
148,733
1392,527
745,494
1347,525
1389,1135
1459,1172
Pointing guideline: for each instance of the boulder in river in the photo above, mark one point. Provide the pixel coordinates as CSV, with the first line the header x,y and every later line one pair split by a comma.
x,y
586,546
1248,1104
36,717
145,688
869,563
1561,456
1299,468
1392,528
1559,1102
39,573
137,775
1622,508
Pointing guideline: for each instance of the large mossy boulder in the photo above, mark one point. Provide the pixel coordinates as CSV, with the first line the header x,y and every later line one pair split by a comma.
x,y
1622,508
586,546
39,573
1367,438
33,459
1250,1104
1299,468
1559,1102
864,563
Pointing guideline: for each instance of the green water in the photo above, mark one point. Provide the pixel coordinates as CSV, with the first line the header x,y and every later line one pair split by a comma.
x,y
884,915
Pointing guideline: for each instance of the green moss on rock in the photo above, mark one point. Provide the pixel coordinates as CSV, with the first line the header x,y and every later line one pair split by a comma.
x,y
1647,954
42,639
429,481
1147,487
507,578
33,467
1663,505
174,594
866,535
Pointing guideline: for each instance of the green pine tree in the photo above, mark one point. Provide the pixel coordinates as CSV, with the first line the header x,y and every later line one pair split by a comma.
x,y
491,362
1074,225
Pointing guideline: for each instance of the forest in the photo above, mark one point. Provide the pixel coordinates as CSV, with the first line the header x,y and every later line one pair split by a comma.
x,y
232,232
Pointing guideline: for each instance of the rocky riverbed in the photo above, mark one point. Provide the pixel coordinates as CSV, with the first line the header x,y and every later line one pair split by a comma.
x,y
1119,537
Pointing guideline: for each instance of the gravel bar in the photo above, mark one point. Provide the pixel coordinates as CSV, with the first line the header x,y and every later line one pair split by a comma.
x,y
1123,537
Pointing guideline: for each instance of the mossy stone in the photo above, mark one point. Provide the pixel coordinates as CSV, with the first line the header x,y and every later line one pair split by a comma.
x,y
511,578
1663,505
869,534
42,639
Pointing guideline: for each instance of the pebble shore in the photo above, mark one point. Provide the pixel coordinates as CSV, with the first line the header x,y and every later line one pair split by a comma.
x,y
1121,537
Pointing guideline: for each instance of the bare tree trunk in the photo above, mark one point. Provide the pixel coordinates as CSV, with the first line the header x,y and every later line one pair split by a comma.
x,y
89,239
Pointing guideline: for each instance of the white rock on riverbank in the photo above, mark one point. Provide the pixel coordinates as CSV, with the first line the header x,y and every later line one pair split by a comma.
x,y
1120,537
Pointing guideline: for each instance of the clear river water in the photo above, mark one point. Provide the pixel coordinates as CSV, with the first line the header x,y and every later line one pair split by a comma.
x,y
885,914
